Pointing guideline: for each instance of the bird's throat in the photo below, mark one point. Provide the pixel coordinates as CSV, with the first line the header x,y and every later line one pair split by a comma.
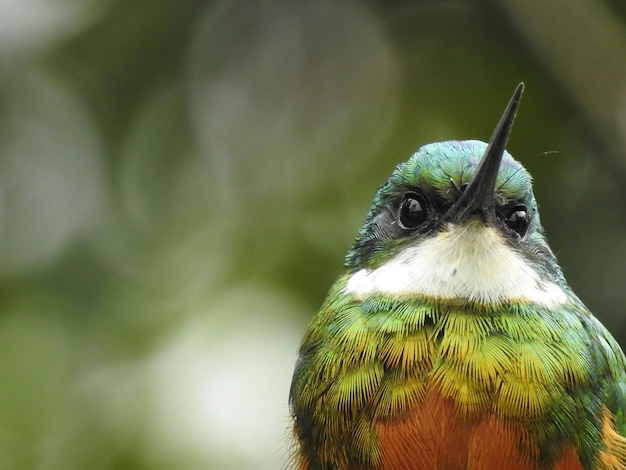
x,y
469,262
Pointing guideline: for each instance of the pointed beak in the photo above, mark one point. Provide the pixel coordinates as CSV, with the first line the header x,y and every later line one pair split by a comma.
x,y
479,197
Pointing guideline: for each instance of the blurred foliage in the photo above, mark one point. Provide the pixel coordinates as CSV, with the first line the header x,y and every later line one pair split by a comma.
x,y
179,182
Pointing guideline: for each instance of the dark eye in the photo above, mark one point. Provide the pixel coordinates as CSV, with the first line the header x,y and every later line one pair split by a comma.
x,y
412,211
517,219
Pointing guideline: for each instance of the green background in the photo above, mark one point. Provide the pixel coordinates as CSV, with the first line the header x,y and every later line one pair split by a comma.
x,y
180,180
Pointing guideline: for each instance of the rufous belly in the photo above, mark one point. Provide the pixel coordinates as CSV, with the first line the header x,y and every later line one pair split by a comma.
x,y
435,436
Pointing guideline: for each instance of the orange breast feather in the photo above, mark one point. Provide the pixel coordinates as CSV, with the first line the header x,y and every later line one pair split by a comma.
x,y
434,436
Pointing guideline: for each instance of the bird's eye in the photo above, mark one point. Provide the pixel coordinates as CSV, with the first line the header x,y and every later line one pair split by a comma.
x,y
412,211
517,219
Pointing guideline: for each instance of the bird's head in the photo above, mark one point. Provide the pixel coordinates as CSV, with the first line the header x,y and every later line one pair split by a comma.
x,y
457,220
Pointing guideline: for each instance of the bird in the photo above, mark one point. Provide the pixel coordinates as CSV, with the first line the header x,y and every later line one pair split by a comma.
x,y
452,340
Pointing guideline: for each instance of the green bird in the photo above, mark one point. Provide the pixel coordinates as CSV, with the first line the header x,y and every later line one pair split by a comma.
x,y
452,340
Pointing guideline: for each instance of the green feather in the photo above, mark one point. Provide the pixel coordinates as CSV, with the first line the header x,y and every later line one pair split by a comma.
x,y
544,368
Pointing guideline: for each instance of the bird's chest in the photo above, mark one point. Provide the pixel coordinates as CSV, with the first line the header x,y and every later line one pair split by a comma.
x,y
514,364
458,389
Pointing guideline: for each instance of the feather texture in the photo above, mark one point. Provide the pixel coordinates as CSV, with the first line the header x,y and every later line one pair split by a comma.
x,y
388,380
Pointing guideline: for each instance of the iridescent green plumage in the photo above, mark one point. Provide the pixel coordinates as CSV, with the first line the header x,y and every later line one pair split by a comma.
x,y
472,310
366,361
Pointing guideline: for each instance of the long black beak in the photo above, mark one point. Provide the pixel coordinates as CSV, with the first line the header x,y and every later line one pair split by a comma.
x,y
478,197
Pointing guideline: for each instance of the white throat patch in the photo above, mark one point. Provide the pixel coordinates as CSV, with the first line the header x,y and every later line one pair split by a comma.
x,y
468,262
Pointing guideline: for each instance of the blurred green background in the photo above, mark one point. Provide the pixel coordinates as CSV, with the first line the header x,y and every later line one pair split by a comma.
x,y
180,180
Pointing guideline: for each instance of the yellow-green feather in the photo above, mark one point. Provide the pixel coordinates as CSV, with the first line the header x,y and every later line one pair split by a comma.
x,y
368,360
